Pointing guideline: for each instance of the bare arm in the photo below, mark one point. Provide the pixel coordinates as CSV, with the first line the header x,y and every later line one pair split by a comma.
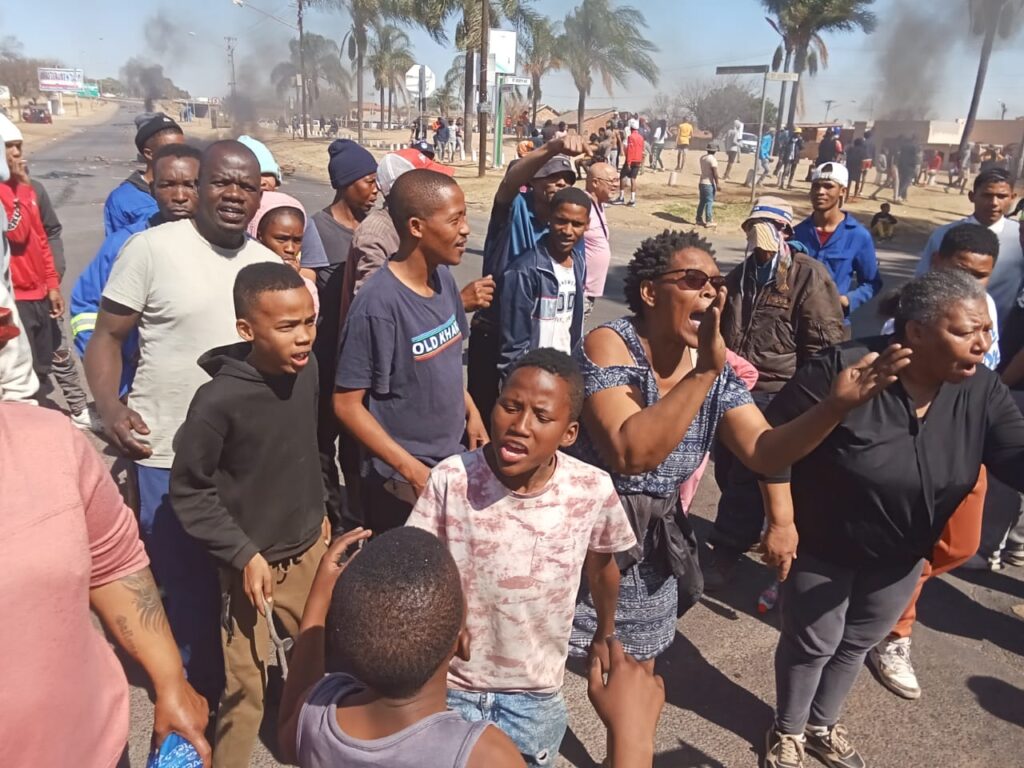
x,y
132,611
522,173
603,578
103,372
779,541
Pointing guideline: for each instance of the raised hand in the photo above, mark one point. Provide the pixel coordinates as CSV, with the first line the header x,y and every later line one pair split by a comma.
x,y
710,344
871,374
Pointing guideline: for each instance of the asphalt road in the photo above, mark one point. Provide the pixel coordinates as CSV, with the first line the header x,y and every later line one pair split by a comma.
x,y
718,674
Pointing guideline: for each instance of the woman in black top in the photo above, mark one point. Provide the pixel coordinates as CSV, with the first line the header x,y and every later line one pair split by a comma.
x,y
872,499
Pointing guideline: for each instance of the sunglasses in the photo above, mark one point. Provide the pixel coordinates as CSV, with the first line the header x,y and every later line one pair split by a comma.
x,y
694,279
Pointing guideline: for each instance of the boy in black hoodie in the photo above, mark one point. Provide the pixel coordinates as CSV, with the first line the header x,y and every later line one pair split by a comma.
x,y
246,483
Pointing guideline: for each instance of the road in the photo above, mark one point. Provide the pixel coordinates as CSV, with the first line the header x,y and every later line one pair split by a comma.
x,y
718,674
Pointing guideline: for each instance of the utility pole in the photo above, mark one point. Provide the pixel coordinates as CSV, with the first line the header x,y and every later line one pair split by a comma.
x,y
485,28
828,107
1002,110
302,72
231,58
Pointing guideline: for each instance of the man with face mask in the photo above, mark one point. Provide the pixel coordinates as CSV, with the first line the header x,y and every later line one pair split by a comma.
x,y
174,284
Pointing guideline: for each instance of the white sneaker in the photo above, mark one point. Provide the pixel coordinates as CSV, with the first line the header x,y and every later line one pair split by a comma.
x,y
891,659
980,563
88,420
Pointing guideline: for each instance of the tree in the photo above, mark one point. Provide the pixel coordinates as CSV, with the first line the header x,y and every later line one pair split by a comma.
x,y
803,22
17,72
538,55
988,18
715,104
390,57
605,40
323,66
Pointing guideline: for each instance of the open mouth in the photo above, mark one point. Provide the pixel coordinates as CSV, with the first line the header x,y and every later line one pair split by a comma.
x,y
695,319
231,214
512,451
299,359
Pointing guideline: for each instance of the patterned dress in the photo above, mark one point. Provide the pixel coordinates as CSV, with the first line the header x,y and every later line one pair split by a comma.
x,y
645,621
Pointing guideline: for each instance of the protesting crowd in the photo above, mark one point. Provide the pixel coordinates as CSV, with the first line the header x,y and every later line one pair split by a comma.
x,y
311,483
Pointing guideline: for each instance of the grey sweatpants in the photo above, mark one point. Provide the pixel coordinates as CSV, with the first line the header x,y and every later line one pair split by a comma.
x,y
831,617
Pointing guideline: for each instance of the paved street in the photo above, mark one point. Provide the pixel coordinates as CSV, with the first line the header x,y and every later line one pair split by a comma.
x,y
718,674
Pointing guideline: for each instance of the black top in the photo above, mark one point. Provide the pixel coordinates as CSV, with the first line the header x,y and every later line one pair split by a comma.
x,y
246,475
882,486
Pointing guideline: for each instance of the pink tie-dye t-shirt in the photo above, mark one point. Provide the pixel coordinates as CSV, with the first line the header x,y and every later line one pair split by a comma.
x,y
521,559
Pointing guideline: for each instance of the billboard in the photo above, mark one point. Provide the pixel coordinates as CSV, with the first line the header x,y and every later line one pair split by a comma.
x,y
55,80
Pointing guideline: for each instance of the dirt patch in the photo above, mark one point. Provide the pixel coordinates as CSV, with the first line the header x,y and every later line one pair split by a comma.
x,y
90,113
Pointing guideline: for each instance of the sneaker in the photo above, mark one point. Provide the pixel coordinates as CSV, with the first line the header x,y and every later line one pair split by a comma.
x,y
721,565
782,750
891,660
833,748
1013,556
88,420
981,563
631,204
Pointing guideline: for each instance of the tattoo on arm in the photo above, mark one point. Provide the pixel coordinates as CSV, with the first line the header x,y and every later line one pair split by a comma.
x,y
127,636
146,599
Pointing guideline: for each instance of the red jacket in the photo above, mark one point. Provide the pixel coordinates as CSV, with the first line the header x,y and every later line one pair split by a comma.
x,y
33,273
635,148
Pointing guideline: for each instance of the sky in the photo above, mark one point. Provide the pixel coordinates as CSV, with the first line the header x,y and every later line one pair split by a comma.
x,y
693,36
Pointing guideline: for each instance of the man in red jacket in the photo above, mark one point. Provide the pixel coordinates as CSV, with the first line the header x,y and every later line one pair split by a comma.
x,y
33,274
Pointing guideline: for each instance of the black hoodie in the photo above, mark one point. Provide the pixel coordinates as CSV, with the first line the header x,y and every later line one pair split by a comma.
x,y
246,474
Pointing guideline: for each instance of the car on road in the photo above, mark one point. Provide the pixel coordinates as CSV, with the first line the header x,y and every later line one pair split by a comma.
x,y
36,115
748,143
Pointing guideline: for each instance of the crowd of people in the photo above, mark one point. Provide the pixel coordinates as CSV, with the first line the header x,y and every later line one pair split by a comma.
x,y
307,460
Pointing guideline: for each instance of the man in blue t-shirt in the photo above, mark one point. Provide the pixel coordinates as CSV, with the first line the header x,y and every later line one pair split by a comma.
x,y
398,389
838,240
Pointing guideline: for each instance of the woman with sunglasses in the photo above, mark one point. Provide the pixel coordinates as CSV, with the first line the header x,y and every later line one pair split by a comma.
x,y
658,391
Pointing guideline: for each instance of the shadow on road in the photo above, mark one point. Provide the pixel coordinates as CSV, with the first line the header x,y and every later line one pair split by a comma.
x,y
999,698
945,608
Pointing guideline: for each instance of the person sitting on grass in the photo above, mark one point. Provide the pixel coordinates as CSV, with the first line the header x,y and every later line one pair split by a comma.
x,y
524,521
883,223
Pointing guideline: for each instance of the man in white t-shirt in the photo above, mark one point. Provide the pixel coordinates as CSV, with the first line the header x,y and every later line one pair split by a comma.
x,y
174,284
541,294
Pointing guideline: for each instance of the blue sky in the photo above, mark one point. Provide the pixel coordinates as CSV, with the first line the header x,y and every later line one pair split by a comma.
x,y
692,36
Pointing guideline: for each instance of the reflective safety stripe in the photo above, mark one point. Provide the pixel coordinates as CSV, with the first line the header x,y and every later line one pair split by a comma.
x,y
83,321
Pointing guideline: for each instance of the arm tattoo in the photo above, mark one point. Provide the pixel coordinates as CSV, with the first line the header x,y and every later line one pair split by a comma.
x,y
146,600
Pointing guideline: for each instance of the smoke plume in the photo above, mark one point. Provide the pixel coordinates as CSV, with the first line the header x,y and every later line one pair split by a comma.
x,y
144,80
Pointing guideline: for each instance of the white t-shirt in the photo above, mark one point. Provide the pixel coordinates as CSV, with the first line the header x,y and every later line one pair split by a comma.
x,y
181,285
556,331
707,162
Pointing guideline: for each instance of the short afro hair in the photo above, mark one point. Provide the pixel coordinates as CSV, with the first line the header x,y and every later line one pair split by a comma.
x,y
992,176
571,196
973,238
417,193
652,259
396,612
274,213
178,151
256,279
559,364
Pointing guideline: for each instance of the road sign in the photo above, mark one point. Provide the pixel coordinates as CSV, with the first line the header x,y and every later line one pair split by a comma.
x,y
783,77
89,91
55,80
754,70
501,44
412,81
513,80
485,108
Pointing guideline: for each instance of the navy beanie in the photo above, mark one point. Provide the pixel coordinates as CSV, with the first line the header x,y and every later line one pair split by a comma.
x,y
349,162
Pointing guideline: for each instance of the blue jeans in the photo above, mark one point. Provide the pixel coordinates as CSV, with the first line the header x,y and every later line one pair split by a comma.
x,y
188,579
706,206
536,722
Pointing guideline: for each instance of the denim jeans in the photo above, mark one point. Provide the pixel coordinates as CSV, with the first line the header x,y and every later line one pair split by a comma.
x,y
536,722
187,576
706,206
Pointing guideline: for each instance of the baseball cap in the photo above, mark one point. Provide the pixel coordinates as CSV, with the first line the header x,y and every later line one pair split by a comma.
x,y
832,172
394,164
423,147
153,126
557,166
770,208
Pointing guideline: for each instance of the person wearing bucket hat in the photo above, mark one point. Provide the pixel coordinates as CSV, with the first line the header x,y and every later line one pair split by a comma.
x,y
131,201
782,308
270,171
840,242
518,221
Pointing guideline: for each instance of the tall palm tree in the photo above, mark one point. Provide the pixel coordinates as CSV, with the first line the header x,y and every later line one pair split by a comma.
x,y
803,22
605,40
323,67
539,54
988,18
389,58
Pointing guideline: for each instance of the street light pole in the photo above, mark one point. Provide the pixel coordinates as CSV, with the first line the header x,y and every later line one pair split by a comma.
x,y
231,58
302,72
481,120
828,107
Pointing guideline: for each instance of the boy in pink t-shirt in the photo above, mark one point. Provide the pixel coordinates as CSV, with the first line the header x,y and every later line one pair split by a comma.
x,y
522,521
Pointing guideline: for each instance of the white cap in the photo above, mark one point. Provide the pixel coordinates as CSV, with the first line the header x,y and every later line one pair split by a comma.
x,y
836,172
8,130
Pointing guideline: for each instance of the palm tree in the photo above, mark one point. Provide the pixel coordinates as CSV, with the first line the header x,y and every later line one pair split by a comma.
x,y
803,22
609,41
390,57
323,66
538,55
988,18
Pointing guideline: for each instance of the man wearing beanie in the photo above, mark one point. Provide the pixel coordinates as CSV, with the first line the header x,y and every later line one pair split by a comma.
x,y
325,249
782,308
131,202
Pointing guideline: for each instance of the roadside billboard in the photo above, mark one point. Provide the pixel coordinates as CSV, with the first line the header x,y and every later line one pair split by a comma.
x,y
56,80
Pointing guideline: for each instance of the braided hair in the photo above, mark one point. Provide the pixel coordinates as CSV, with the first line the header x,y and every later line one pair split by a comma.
x,y
652,259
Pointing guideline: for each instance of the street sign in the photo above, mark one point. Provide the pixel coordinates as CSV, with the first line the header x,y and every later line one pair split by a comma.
x,y
783,77
55,80
515,81
501,44
485,108
754,70
89,91
412,81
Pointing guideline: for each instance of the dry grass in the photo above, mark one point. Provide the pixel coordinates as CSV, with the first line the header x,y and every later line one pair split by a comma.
x,y
90,113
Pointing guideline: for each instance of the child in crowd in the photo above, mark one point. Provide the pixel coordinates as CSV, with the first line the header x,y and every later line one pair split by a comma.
x,y
281,229
883,223
542,292
523,521
249,488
